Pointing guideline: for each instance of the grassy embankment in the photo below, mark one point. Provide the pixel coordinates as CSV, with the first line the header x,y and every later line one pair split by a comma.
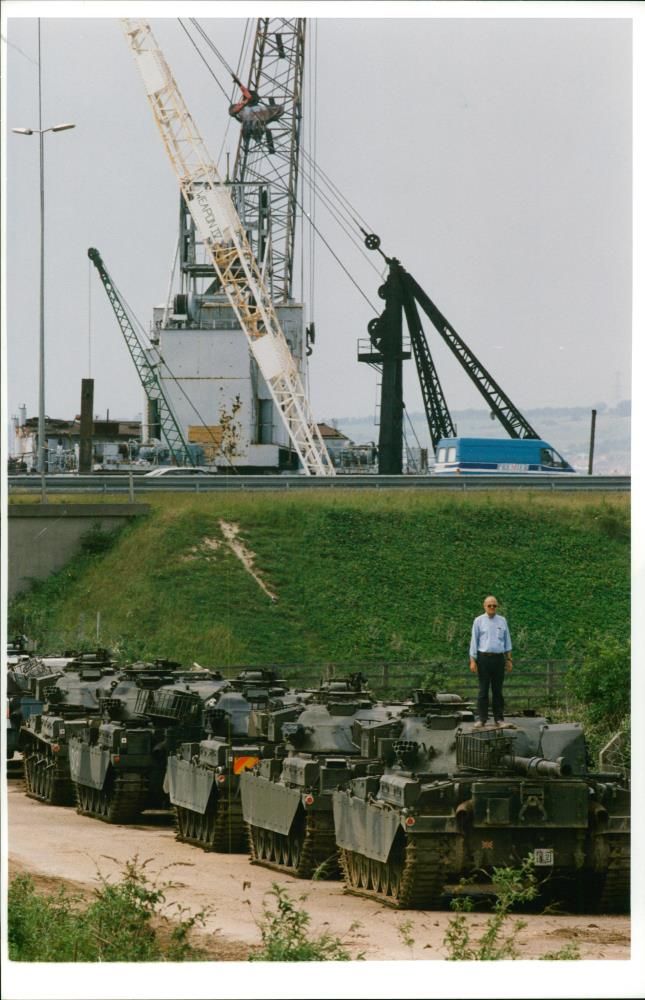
x,y
357,578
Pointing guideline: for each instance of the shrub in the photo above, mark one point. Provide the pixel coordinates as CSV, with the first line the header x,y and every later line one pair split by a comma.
x,y
126,922
499,941
284,930
96,541
600,680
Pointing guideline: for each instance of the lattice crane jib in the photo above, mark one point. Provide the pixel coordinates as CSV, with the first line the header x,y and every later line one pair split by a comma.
x,y
276,73
209,201
146,361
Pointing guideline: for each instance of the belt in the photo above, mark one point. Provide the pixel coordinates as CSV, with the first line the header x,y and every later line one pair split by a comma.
x,y
490,654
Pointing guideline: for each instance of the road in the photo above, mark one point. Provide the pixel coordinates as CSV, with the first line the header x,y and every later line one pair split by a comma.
x,y
56,843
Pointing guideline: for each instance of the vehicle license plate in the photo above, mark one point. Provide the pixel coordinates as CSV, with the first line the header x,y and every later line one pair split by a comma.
x,y
543,856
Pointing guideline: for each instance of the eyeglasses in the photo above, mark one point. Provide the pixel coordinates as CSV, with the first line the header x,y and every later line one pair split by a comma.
x,y
491,605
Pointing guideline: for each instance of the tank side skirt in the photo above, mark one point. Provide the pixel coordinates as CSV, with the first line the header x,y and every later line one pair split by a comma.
x,y
219,828
268,804
308,848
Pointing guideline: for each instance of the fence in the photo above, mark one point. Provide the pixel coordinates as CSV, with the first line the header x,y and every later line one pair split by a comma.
x,y
538,684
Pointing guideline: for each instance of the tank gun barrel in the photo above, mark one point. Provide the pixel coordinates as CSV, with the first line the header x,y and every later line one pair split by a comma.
x,y
538,766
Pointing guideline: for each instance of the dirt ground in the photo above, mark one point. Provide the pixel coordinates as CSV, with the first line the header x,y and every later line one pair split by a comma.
x,y
56,844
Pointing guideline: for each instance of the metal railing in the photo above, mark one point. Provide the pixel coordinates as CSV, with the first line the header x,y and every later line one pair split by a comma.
x,y
534,683
121,483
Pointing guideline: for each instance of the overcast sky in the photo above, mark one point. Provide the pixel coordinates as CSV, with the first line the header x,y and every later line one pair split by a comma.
x,y
491,154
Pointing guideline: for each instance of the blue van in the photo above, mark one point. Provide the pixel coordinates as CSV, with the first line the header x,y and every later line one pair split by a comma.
x,y
497,455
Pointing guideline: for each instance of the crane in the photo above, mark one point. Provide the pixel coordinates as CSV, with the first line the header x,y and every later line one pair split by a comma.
x,y
402,294
277,66
147,362
216,219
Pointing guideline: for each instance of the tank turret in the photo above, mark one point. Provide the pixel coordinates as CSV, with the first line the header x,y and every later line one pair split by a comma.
x,y
287,798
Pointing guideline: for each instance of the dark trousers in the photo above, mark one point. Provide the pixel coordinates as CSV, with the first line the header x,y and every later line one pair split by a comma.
x,y
490,671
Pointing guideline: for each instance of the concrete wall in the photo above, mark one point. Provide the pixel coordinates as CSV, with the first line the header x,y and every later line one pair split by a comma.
x,y
44,537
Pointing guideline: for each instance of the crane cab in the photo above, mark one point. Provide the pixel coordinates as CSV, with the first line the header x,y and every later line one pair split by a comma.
x,y
461,455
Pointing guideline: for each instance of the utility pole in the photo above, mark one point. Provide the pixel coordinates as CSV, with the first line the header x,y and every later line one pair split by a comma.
x,y
592,441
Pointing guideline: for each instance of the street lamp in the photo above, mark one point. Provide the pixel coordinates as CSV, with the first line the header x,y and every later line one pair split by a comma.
x,y
41,367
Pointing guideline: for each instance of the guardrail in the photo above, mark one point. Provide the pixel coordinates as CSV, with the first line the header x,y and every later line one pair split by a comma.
x,y
138,484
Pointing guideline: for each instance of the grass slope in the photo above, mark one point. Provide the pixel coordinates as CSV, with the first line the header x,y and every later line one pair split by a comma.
x,y
379,575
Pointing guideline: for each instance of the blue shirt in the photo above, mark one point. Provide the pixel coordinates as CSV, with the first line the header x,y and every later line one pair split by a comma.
x,y
490,635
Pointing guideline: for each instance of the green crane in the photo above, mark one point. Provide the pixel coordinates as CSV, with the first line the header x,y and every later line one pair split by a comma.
x,y
146,368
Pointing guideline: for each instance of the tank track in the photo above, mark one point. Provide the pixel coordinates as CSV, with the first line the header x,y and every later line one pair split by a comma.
x,y
412,878
615,892
121,799
42,781
309,849
220,828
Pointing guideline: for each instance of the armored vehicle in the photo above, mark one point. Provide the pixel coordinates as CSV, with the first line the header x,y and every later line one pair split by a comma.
x,y
58,691
287,798
202,779
118,756
21,704
17,693
454,801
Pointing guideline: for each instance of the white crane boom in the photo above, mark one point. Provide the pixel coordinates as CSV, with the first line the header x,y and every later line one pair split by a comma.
x,y
210,204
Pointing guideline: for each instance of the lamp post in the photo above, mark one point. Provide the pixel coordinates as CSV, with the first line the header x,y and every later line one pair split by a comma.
x,y
40,132
41,364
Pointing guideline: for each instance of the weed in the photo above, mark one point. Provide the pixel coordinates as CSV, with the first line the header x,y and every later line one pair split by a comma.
x,y
405,928
97,540
499,940
285,934
569,953
325,870
128,921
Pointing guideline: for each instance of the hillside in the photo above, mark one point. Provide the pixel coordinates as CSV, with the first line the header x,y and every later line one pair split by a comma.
x,y
333,576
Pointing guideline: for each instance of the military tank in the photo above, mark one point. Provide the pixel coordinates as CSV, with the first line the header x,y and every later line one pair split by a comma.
x,y
241,723
118,756
453,802
58,690
287,798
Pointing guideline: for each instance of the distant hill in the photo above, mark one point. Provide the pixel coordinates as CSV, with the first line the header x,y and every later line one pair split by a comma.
x,y
568,429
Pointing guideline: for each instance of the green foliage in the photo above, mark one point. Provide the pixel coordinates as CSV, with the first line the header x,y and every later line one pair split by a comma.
x,y
498,941
285,935
568,953
380,576
600,679
43,928
598,683
128,921
405,933
96,541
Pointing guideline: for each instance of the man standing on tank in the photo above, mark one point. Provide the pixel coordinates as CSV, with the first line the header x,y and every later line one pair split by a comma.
x,y
490,656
